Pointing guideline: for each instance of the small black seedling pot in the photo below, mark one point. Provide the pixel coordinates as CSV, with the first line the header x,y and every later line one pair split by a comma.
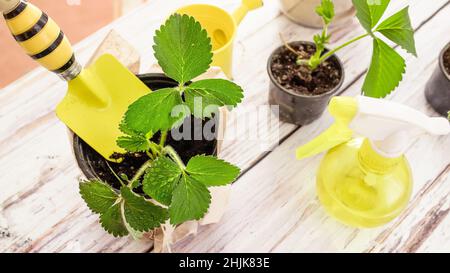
x,y
437,90
296,108
94,166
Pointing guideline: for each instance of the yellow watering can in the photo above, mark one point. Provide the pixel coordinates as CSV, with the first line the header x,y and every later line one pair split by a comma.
x,y
221,27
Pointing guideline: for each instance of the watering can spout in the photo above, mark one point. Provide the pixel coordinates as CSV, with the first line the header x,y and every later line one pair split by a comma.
x,y
221,27
247,5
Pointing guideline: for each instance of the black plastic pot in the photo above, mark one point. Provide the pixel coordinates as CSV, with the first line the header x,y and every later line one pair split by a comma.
x,y
297,108
437,90
86,156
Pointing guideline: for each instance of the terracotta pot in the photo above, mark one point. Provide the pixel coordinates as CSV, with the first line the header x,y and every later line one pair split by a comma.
x,y
303,12
437,90
297,108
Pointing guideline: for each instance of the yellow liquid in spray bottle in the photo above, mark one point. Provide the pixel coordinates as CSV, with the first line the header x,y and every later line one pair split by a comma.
x,y
361,188
367,182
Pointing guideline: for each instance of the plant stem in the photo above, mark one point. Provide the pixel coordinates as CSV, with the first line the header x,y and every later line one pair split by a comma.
x,y
140,172
114,173
156,150
302,62
162,142
332,52
181,87
173,154
288,46
149,154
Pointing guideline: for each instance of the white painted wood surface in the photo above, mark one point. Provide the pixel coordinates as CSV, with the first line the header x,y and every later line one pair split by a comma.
x,y
273,205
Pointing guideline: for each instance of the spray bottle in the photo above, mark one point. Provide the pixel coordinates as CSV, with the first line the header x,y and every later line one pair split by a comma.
x,y
367,181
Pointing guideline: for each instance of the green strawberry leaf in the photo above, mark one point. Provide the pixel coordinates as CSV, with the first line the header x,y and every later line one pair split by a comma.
x,y
398,29
124,128
112,221
321,40
213,93
98,196
141,214
326,11
182,48
369,12
190,201
133,143
153,112
137,235
385,72
212,171
161,179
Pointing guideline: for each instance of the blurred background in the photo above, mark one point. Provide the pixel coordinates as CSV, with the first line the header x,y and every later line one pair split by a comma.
x,y
77,18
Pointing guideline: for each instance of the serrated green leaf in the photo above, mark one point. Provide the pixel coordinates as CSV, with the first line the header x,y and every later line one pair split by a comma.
x,y
320,40
124,128
326,11
112,221
213,92
153,112
398,29
161,179
137,235
134,143
182,48
385,72
141,214
190,201
98,196
369,12
212,171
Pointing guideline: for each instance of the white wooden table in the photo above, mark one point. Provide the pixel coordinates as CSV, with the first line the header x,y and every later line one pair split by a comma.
x,y
273,206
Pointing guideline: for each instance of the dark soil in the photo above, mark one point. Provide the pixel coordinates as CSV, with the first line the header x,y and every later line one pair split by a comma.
x,y
447,60
132,162
95,165
299,78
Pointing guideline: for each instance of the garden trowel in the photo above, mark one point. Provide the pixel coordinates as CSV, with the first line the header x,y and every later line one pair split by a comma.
x,y
97,96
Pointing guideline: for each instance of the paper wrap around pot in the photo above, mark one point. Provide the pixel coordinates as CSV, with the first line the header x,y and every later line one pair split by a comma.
x,y
168,235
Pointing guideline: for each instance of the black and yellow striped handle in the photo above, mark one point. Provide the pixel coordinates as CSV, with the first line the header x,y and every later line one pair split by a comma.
x,y
40,37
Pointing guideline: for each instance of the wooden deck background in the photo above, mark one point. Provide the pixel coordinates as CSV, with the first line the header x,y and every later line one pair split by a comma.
x,y
273,205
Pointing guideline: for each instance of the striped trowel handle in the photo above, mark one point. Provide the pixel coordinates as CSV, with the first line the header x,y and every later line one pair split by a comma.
x,y
40,37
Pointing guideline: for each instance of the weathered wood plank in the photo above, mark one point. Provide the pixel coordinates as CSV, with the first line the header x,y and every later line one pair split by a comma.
x,y
438,240
31,137
274,206
40,203
425,214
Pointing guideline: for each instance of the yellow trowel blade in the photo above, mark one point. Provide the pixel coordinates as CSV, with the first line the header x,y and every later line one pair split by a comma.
x,y
97,100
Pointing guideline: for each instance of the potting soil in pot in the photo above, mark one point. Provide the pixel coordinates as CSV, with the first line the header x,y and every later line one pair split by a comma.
x,y
299,78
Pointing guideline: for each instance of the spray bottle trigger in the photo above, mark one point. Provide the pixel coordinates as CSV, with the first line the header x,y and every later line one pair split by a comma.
x,y
344,110
335,135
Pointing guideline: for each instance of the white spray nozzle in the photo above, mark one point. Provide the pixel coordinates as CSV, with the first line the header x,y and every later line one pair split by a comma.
x,y
392,126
